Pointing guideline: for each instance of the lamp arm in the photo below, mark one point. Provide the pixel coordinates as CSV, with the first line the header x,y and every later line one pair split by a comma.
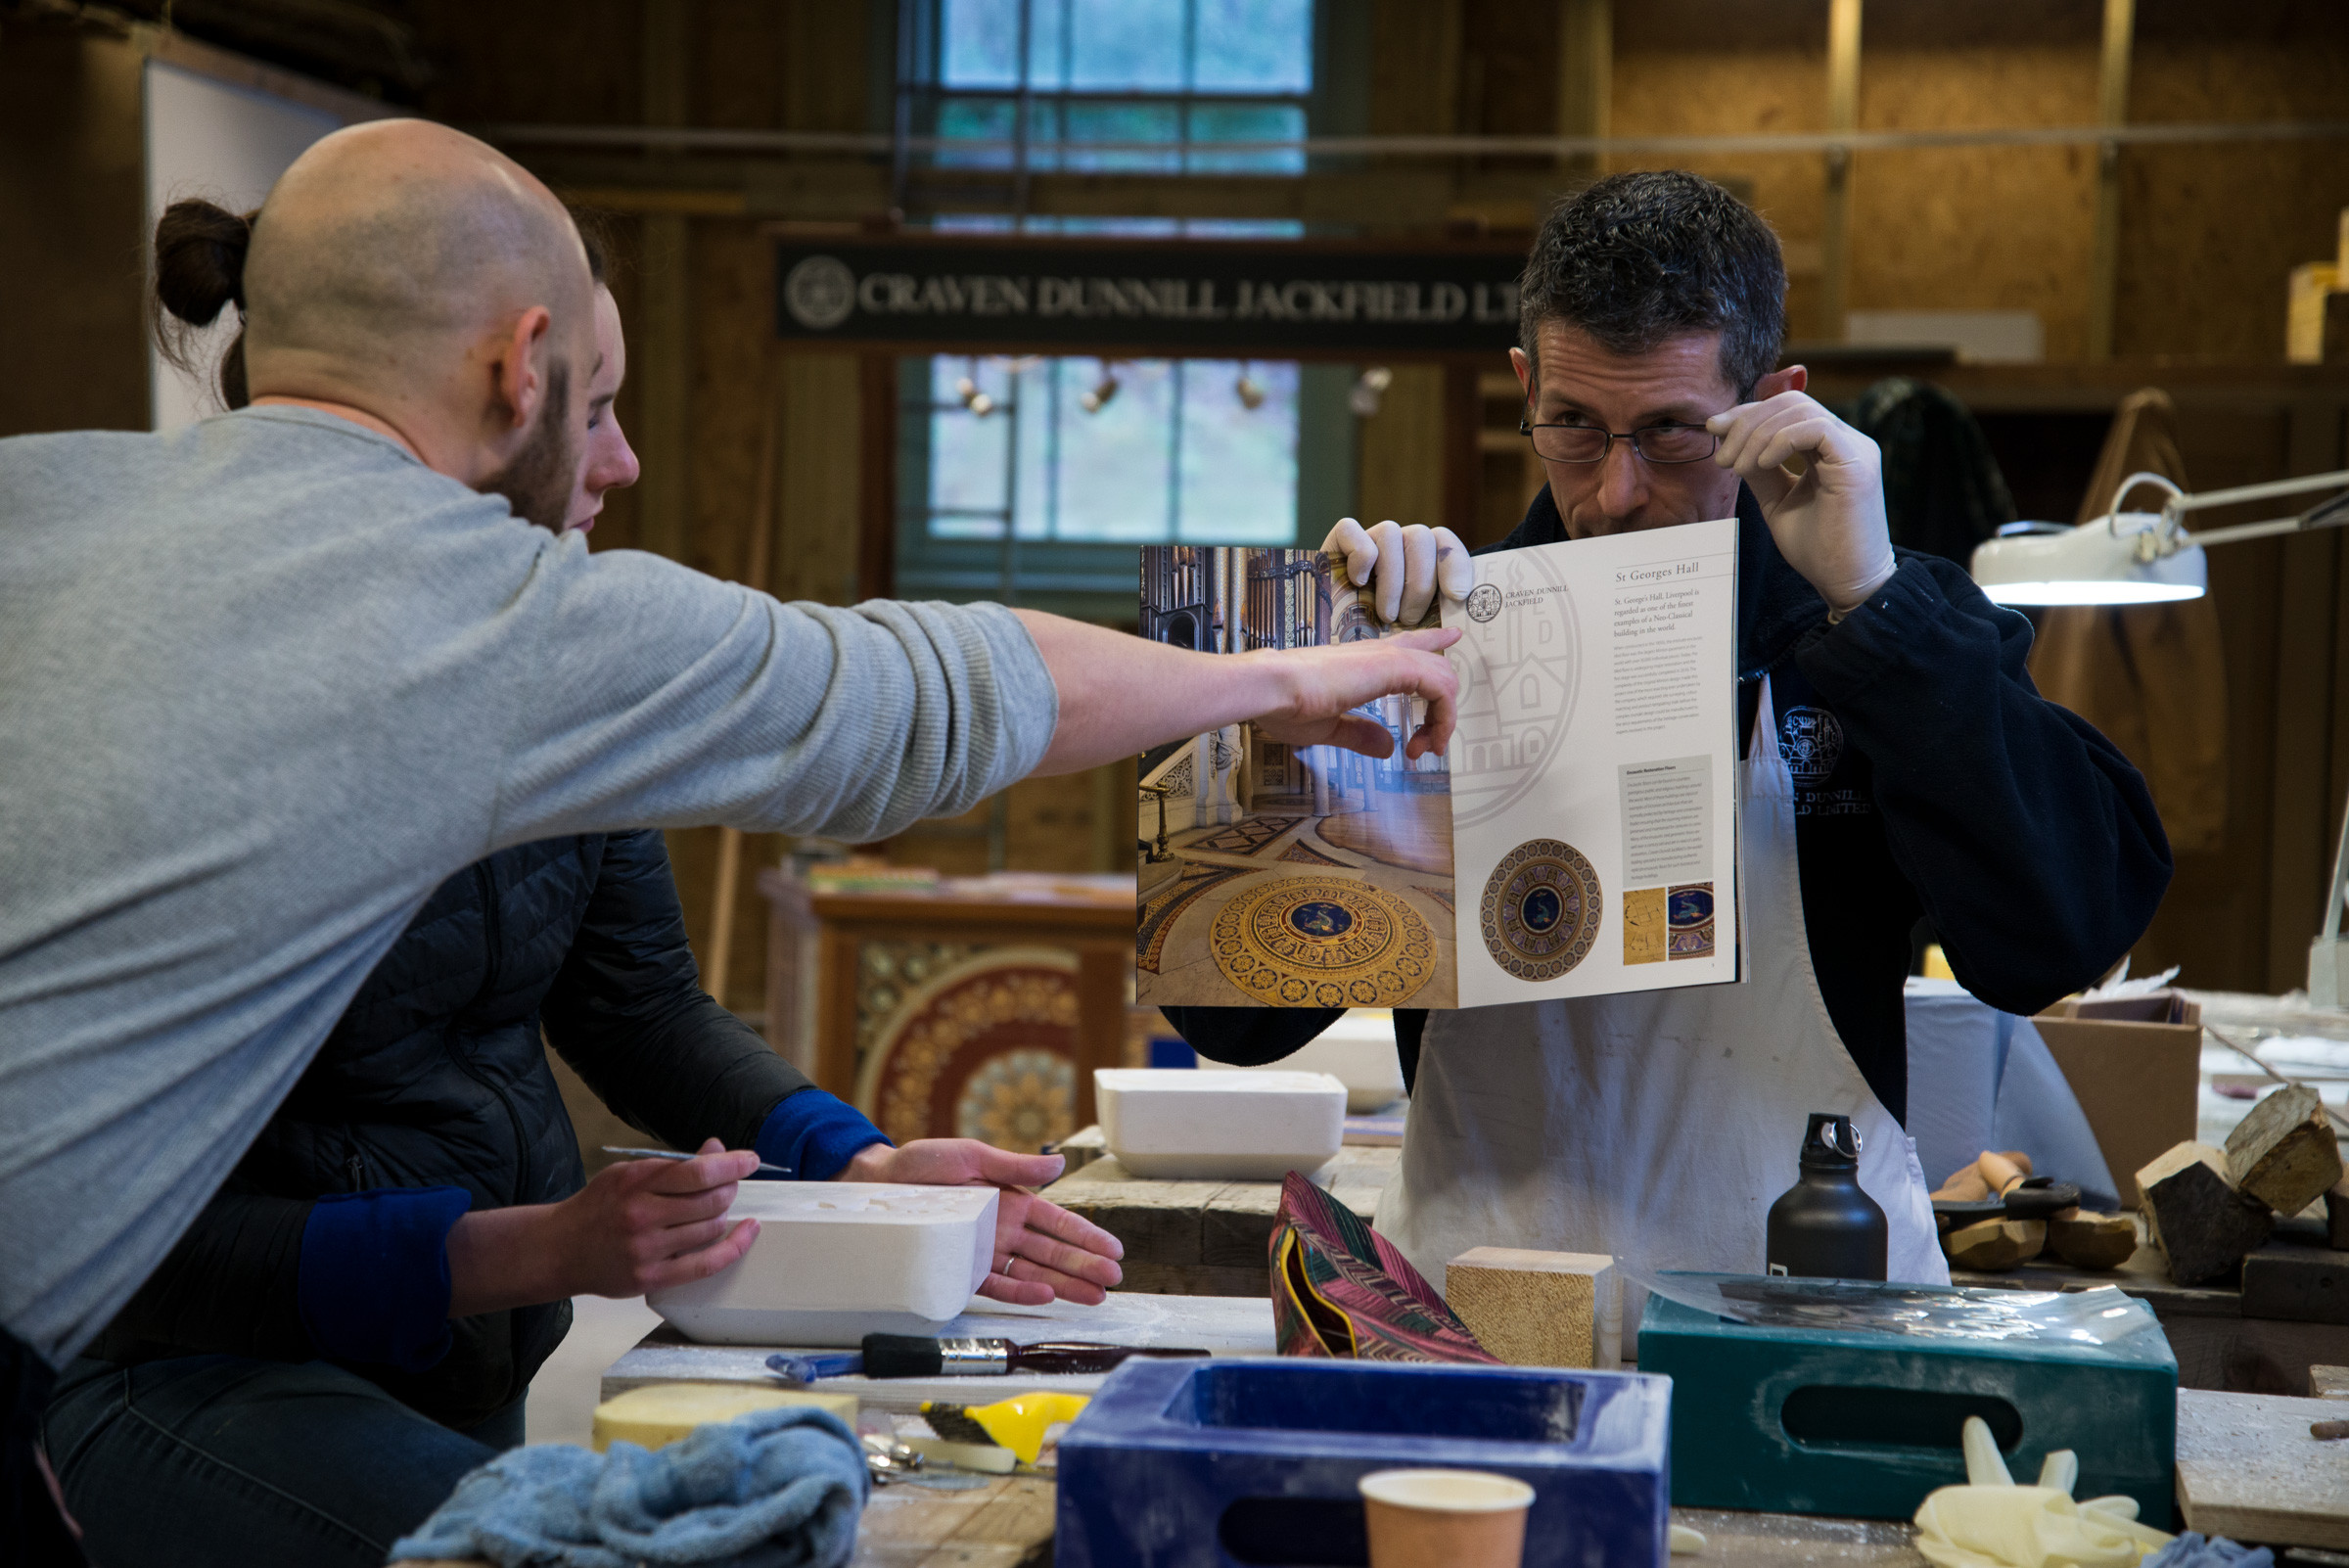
x,y
2258,493
2330,514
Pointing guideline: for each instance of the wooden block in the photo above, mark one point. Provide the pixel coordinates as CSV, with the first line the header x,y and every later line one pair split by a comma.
x,y
1993,1244
2249,1468
2285,1152
2203,1225
2297,1284
2092,1240
2329,1382
1538,1308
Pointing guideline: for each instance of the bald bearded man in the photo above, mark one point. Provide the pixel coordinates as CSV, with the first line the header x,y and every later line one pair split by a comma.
x,y
268,680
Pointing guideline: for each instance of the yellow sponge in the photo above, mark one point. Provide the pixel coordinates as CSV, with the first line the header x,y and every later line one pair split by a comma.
x,y
664,1412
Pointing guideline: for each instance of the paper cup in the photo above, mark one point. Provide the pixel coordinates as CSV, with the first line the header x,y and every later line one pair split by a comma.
x,y
1444,1518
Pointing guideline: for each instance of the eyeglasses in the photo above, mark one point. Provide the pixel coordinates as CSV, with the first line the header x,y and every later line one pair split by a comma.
x,y
1588,444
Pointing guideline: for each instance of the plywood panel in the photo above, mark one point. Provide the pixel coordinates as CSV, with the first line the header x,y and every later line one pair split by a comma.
x,y
1414,66
1400,472
1978,228
574,62
2208,234
1693,66
72,215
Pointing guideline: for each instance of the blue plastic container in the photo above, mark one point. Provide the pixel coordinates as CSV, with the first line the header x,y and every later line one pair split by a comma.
x,y
1207,1464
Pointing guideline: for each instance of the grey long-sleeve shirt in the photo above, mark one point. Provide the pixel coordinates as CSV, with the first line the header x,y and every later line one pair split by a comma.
x,y
265,682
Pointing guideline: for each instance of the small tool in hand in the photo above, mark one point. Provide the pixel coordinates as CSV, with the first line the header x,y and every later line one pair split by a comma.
x,y
765,1169
2025,1196
911,1355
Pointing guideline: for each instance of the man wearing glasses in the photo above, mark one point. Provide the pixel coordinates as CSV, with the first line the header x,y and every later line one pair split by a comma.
x,y
1898,764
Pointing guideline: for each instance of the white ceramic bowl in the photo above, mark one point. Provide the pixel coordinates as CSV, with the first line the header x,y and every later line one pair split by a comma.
x,y
836,1261
1219,1124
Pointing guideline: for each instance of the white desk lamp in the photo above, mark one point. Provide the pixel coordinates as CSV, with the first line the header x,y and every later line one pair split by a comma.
x,y
2148,558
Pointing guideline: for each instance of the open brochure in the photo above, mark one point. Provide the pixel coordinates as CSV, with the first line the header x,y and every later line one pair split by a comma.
x,y
1580,839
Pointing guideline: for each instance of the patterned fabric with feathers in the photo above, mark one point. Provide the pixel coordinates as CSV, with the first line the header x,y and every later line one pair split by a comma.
x,y
1341,1289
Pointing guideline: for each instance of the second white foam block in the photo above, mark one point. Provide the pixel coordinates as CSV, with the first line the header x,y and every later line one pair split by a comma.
x,y
1357,1050
1188,1124
836,1261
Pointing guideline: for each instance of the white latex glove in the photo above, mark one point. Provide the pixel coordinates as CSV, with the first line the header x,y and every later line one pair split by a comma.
x,y
1992,1523
1827,518
1404,566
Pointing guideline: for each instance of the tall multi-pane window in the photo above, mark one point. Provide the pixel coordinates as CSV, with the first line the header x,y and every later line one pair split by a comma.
x,y
1037,477
1182,74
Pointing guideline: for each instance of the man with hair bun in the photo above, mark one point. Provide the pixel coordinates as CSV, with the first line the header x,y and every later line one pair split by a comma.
x,y
1899,763
267,680
395,1257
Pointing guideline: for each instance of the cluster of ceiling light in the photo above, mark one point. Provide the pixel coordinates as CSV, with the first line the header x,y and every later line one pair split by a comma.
x,y
1247,388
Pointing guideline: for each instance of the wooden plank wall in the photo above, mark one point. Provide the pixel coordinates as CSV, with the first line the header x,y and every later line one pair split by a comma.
x,y
72,201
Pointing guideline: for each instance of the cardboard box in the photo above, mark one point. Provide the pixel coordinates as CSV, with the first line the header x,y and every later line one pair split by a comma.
x,y
2134,1063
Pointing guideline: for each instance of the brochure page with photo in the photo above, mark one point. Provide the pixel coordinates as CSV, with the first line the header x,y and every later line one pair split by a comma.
x,y
1579,838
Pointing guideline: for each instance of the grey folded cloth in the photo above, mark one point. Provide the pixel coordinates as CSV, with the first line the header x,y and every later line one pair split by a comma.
x,y
774,1489
2192,1550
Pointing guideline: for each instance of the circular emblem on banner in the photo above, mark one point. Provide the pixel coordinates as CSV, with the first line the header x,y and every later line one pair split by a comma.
x,y
820,293
1484,602
1541,909
1812,739
1305,942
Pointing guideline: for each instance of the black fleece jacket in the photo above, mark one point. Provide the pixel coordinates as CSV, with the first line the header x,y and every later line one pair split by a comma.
x,y
435,1077
1930,778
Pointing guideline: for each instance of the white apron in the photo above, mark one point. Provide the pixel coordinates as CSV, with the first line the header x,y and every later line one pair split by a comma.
x,y
1657,1126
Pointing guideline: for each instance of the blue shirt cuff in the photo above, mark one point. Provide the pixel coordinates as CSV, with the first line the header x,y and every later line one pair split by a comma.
x,y
373,1274
815,1135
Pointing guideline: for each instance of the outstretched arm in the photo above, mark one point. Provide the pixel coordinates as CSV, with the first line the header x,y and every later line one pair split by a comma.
x,y
1120,695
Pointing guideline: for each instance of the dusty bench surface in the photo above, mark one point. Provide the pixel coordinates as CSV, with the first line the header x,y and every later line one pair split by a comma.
x,y
1207,1238
1224,1327
1008,1524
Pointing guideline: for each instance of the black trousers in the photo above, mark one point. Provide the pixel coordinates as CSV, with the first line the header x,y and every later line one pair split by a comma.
x,y
32,1530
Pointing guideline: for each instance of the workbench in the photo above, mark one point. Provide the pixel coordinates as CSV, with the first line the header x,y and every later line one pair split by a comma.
x,y
2217,1346
1207,1238
1211,1238
1008,1523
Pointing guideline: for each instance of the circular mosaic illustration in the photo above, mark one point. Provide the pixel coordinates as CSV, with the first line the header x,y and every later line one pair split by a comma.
x,y
1301,941
1541,909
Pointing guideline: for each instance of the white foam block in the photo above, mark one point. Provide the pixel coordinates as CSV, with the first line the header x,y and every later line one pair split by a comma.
x,y
1190,1123
1360,1056
836,1261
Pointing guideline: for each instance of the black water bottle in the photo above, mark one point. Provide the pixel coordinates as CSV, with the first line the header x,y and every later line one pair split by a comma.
x,y
1823,1226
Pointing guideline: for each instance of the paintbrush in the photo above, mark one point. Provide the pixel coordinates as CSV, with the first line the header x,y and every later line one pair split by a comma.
x,y
765,1169
911,1355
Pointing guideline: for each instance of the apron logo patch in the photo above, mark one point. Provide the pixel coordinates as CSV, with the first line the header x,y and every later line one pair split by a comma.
x,y
1541,909
1811,740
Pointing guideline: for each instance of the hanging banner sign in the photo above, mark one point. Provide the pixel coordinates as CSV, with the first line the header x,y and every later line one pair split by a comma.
x,y
1173,298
